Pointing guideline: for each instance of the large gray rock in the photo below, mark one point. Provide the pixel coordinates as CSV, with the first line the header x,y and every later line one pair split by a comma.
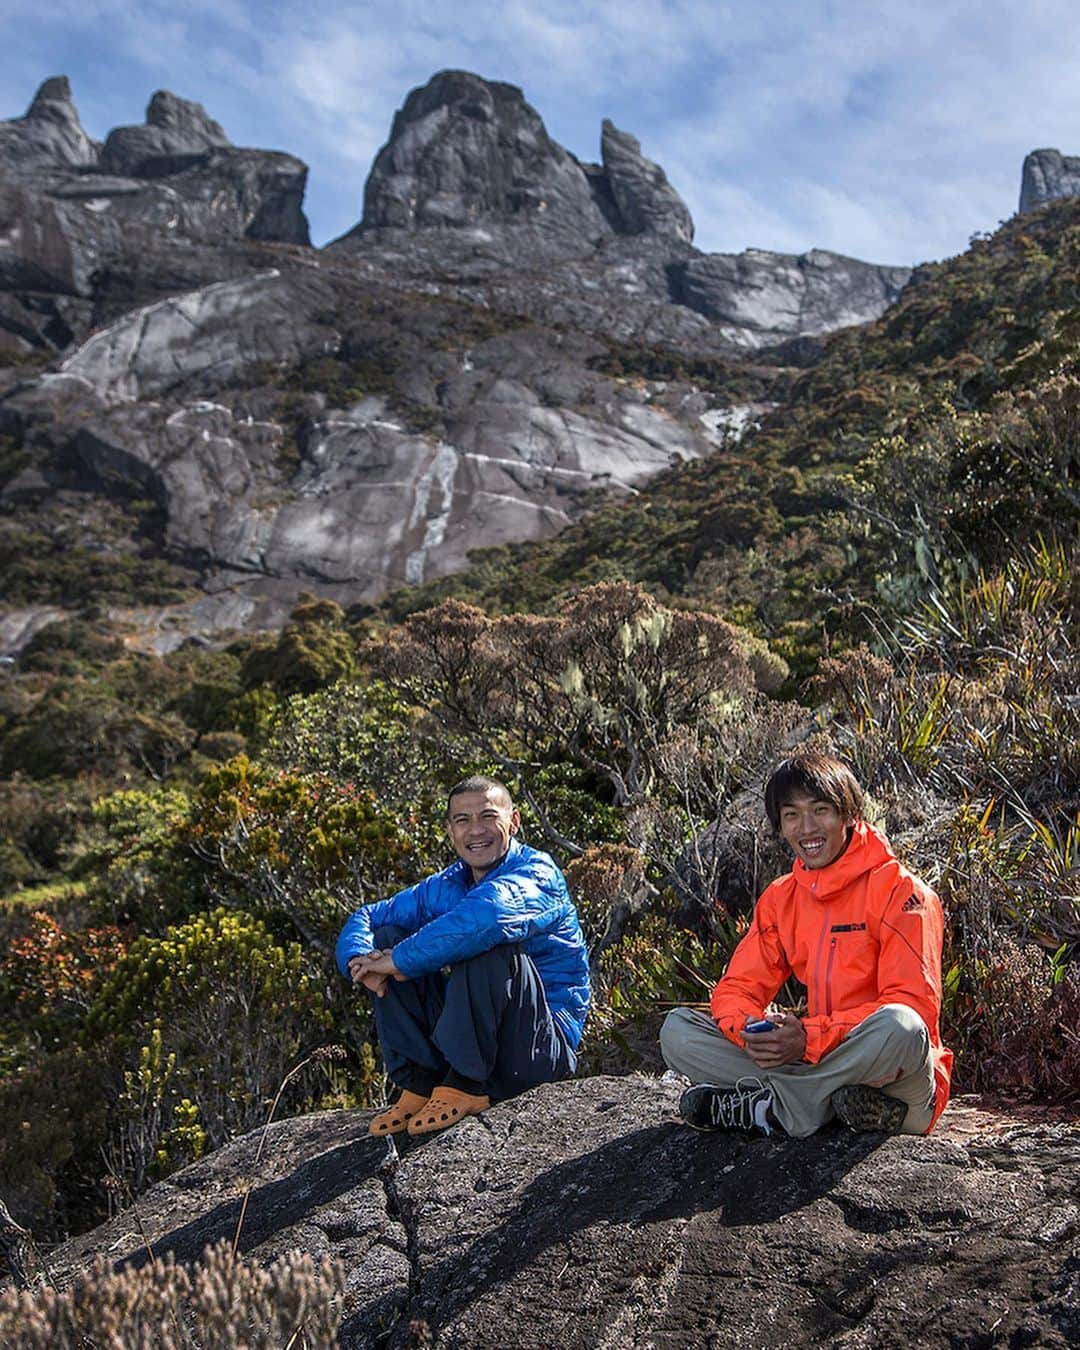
x,y
1047,176
758,298
161,206
647,202
584,1214
218,188
464,150
470,189
218,330
50,134
529,435
176,132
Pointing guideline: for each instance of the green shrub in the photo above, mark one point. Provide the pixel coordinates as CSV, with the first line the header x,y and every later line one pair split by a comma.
x,y
374,734
68,648
131,850
313,650
77,727
974,693
213,1013
52,1128
15,867
299,846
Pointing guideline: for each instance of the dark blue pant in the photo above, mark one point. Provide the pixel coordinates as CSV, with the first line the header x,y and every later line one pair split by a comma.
x,y
487,1020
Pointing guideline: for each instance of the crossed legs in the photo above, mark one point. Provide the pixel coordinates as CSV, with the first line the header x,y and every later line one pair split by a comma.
x,y
890,1049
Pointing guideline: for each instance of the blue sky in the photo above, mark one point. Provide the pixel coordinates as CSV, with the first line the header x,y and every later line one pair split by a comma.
x,y
889,131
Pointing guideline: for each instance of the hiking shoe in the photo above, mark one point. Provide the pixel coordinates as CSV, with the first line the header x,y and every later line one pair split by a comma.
x,y
868,1109
708,1107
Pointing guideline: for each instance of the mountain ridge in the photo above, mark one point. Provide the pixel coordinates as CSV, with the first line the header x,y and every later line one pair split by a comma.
x,y
158,303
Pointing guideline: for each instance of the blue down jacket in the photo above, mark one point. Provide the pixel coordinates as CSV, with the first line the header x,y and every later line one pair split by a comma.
x,y
450,918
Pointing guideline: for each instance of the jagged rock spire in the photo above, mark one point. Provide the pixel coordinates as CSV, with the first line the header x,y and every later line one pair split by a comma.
x,y
56,89
50,133
1047,176
176,132
467,151
464,150
647,202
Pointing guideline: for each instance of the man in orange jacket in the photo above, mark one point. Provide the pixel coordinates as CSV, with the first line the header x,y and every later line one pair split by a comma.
x,y
864,936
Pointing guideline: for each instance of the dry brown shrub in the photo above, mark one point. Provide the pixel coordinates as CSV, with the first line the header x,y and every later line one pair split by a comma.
x,y
610,677
1016,1031
608,884
224,1303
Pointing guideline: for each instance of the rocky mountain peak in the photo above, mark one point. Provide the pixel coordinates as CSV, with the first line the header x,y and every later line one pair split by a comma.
x,y
141,268
469,152
647,202
177,132
55,90
1048,175
465,151
185,117
50,134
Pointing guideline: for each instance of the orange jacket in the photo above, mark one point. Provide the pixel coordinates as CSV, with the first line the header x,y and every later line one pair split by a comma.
x,y
859,933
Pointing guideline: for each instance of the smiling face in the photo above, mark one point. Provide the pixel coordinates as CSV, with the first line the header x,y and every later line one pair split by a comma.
x,y
814,829
480,826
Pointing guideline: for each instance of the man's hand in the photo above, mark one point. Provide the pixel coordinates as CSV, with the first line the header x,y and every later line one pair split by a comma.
x,y
785,1045
375,970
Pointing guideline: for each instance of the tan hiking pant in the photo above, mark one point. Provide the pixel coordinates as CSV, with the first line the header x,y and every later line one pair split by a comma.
x,y
890,1049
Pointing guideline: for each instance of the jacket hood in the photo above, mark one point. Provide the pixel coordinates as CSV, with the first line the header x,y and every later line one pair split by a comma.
x,y
868,849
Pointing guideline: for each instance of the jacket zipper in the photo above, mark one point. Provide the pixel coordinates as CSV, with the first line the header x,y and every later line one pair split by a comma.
x,y
820,948
828,978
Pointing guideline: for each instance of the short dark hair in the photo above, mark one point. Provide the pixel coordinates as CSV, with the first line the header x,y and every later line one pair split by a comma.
x,y
478,783
818,776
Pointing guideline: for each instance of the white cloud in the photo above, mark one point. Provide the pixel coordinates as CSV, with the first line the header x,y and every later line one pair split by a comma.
x,y
873,128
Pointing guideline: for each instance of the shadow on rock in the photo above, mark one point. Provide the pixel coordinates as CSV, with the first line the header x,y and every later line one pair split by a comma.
x,y
274,1207
653,1177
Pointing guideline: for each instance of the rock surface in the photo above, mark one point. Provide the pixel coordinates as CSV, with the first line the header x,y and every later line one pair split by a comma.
x,y
463,149
529,433
758,298
1048,175
583,1215
50,134
77,218
176,132
470,164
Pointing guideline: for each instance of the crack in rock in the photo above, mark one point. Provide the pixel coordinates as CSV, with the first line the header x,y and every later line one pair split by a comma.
x,y
403,1212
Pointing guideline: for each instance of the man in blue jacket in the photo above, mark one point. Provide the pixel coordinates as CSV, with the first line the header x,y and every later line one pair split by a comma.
x,y
479,973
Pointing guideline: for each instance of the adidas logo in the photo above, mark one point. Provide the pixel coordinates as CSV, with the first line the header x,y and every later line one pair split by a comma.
x,y
912,902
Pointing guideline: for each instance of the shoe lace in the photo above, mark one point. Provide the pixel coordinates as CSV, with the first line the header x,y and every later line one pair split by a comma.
x,y
734,1110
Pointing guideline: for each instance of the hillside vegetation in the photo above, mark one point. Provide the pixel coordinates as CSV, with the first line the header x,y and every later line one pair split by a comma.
x,y
885,567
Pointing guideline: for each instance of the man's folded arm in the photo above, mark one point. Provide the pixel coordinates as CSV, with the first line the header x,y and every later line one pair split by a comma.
x,y
757,969
407,909
504,909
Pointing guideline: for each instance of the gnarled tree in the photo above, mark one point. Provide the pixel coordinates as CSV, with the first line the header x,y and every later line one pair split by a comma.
x,y
605,682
